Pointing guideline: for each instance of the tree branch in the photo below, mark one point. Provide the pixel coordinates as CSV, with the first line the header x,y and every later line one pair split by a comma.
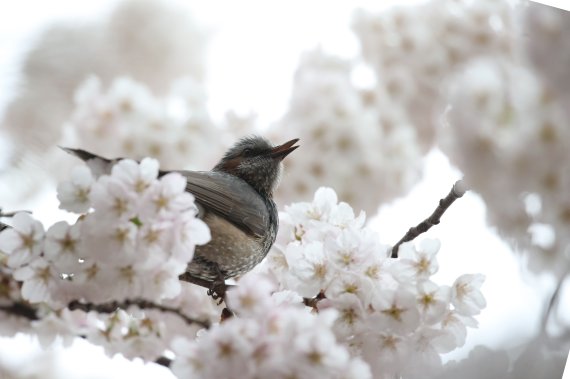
x,y
313,301
3,226
11,214
140,303
163,361
213,287
25,310
21,309
457,191
553,302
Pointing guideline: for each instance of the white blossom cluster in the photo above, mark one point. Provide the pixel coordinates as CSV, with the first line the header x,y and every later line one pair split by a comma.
x,y
136,234
273,336
343,146
128,120
154,41
413,49
508,132
138,238
546,42
539,357
390,312
9,293
129,331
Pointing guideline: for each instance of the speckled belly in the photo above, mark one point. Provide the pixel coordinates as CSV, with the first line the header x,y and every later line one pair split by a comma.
x,y
231,249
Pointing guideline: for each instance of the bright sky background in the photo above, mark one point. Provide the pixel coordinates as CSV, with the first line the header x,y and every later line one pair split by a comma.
x,y
252,71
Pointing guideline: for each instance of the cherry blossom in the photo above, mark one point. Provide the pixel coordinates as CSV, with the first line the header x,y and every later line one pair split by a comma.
x,y
23,243
126,248
506,127
281,341
466,296
73,195
343,145
390,312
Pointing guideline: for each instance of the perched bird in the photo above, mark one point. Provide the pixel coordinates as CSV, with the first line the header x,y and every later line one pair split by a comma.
x,y
235,200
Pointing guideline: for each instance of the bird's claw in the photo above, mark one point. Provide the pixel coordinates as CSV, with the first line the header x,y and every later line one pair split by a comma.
x,y
218,290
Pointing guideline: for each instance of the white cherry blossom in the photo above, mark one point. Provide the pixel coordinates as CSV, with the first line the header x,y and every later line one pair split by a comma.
x,y
73,195
466,295
24,242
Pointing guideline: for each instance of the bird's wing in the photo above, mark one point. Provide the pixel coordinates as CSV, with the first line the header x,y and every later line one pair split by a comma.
x,y
231,198
226,195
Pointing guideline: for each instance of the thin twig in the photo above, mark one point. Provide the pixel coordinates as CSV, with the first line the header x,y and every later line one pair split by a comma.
x,y
457,191
163,361
227,313
552,303
11,214
140,303
25,310
313,301
21,309
218,291
186,277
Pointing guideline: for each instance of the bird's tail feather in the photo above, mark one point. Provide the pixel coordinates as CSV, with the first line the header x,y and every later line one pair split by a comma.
x,y
98,165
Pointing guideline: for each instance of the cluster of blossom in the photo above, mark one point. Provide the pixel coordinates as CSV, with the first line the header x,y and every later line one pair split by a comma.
x,y
129,331
127,120
273,336
390,312
538,358
509,136
9,294
137,236
413,49
545,38
343,147
170,46
376,316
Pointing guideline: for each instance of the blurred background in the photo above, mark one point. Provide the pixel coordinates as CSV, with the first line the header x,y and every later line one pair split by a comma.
x,y
382,94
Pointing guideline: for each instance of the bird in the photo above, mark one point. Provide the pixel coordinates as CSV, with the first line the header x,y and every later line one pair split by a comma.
x,y
235,200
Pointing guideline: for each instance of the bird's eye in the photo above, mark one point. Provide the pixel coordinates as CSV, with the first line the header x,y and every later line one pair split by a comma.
x,y
247,152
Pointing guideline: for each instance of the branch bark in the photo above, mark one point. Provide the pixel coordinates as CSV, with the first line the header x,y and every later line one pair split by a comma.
x,y
140,303
3,226
217,289
21,309
313,301
164,361
27,311
11,214
457,191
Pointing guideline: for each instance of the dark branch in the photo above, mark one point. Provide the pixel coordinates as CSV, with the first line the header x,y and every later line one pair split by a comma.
x,y
25,310
4,226
553,302
227,313
140,303
21,309
457,191
11,214
313,301
186,277
216,289
163,361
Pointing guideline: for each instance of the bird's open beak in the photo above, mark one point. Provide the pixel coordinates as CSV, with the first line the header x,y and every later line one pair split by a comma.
x,y
282,151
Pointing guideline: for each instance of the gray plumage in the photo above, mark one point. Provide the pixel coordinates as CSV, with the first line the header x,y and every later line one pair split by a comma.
x,y
235,199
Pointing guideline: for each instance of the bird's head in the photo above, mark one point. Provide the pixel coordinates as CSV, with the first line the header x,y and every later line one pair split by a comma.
x,y
257,162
